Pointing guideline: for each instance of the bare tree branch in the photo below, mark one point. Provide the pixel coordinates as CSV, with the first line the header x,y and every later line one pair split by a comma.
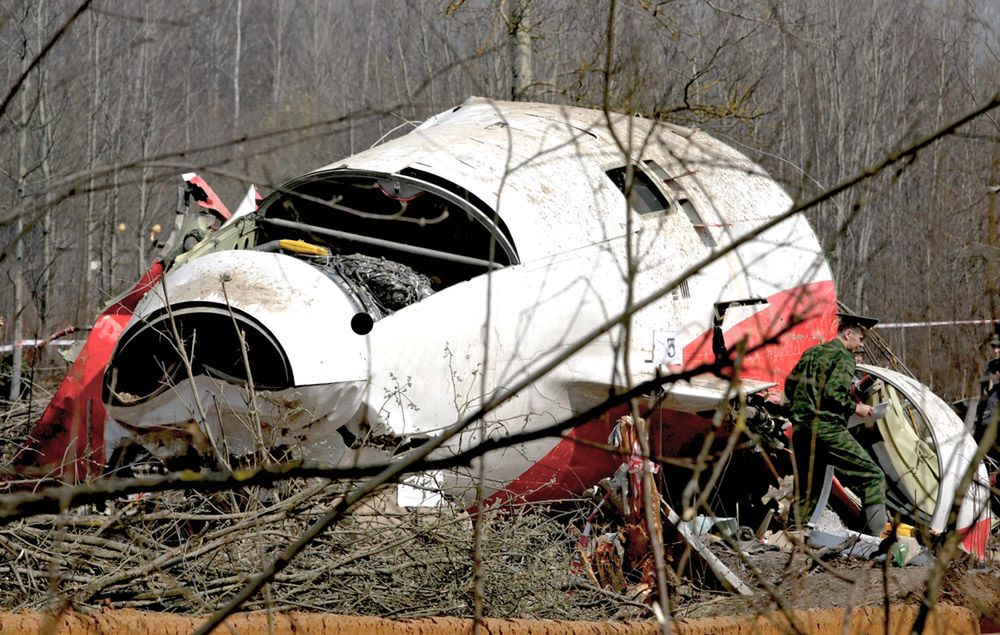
x,y
40,56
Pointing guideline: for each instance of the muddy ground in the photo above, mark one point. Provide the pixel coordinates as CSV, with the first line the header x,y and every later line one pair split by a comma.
x,y
799,582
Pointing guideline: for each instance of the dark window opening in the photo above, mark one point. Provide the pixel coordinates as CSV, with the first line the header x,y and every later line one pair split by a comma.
x,y
150,362
465,195
415,219
645,197
680,197
700,227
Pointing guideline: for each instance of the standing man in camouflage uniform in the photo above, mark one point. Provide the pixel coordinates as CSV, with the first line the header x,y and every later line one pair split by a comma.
x,y
818,391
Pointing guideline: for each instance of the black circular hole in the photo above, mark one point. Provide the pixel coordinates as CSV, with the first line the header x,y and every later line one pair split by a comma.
x,y
362,323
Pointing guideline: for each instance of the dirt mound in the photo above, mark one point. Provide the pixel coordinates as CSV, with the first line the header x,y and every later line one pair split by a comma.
x,y
948,620
975,588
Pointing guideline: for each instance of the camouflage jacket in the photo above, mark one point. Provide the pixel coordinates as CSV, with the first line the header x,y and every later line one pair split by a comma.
x,y
818,388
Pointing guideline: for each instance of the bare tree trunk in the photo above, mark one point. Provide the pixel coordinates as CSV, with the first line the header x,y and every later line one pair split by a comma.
x,y
18,273
236,65
113,233
366,70
428,58
17,268
45,282
931,225
278,52
406,72
188,123
519,32
109,240
95,102
140,242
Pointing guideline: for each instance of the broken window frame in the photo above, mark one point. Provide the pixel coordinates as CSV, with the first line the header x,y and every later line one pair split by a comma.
x,y
450,196
648,174
682,200
642,183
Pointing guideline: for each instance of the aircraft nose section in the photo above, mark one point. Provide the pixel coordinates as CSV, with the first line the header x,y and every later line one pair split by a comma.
x,y
242,317
260,348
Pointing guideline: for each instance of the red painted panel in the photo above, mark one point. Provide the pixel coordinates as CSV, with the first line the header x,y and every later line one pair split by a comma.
x,y
67,442
809,315
211,202
974,538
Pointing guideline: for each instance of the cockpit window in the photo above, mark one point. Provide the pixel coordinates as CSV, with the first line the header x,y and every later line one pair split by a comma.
x,y
645,197
422,225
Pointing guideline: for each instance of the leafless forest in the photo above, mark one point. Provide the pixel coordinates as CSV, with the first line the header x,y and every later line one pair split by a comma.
x,y
124,97
105,104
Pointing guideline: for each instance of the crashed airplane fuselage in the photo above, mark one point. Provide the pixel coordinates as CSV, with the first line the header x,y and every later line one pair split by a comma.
x,y
508,228
370,304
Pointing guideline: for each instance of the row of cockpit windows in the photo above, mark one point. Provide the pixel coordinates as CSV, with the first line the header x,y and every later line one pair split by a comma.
x,y
649,199
421,210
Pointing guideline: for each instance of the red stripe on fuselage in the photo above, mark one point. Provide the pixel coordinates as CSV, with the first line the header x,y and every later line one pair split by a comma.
x,y
797,319
975,537
807,314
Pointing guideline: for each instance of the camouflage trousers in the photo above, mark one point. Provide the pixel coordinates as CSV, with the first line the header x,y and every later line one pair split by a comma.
x,y
854,468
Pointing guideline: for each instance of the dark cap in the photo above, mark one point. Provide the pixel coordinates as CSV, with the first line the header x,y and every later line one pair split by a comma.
x,y
846,319
995,340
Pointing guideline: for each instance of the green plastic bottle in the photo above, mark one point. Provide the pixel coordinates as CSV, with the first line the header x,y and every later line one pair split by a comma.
x,y
900,551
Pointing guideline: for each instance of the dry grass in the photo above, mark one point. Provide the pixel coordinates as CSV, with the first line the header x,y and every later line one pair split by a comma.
x,y
189,553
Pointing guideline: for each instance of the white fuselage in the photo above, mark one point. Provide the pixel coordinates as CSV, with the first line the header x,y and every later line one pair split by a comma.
x,y
577,256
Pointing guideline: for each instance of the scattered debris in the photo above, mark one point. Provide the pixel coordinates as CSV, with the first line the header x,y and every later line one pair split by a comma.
x,y
187,553
718,568
391,285
620,558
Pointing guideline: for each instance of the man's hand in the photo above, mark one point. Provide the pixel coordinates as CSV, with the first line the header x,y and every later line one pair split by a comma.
x,y
864,410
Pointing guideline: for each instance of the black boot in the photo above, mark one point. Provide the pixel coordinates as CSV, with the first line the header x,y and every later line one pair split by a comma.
x,y
875,519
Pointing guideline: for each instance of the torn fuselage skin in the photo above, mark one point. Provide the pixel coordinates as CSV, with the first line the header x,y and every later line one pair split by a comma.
x,y
200,348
